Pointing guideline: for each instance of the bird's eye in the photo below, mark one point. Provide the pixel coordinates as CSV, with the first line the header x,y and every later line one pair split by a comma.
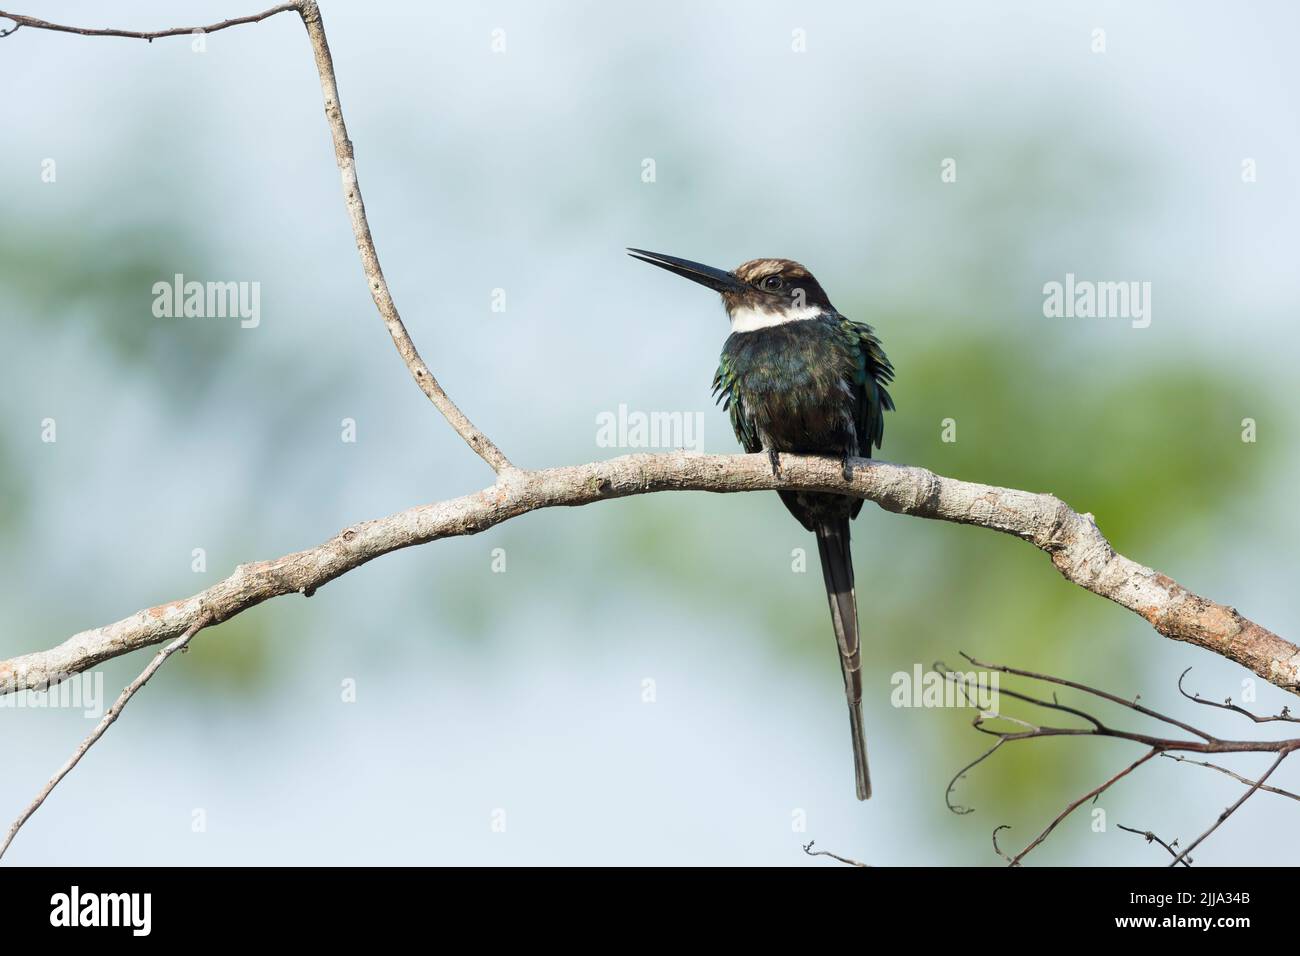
x,y
772,283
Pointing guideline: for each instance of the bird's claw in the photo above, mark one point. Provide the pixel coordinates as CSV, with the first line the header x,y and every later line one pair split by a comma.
x,y
775,459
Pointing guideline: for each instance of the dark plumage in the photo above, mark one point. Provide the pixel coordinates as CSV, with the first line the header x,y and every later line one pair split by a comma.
x,y
796,376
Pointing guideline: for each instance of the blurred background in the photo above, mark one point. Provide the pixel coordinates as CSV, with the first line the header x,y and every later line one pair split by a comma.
x,y
648,681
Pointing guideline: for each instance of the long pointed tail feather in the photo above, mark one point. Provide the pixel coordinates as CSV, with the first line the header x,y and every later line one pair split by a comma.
x,y
837,569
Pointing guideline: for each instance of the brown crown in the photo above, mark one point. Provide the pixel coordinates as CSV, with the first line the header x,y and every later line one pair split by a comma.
x,y
796,276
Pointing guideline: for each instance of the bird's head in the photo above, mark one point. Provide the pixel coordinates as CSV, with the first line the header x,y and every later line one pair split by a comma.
x,y
757,293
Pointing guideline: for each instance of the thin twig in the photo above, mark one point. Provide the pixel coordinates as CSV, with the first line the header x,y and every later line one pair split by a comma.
x,y
1235,776
1235,807
959,681
1209,744
105,722
36,24
808,848
1158,746
961,774
1285,715
1094,691
1152,838
1075,804
997,849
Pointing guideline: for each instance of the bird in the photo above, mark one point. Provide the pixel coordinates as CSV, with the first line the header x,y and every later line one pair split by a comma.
x,y
797,376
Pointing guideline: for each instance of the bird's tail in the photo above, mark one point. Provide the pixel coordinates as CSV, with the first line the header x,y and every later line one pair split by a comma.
x,y
837,568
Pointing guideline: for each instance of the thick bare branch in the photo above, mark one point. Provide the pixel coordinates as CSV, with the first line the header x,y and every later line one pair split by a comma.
x,y
1076,546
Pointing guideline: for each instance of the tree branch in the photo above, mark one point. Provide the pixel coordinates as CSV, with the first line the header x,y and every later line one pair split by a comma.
x,y
808,848
1152,838
35,24
197,616
105,722
1077,549
482,445
1235,806
1285,716
1158,746
343,155
1235,776
1074,804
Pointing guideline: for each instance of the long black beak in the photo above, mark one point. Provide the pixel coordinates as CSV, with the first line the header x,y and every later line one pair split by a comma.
x,y
715,279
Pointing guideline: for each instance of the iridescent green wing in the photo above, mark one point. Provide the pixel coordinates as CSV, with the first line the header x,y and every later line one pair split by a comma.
x,y
872,374
724,390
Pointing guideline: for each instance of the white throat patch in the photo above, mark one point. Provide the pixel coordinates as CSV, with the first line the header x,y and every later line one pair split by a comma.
x,y
750,320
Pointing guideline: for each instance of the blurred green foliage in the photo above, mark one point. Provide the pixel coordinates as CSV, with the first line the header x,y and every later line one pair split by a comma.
x,y
97,282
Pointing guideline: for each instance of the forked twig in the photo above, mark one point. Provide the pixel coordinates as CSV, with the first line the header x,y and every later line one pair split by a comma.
x,y
1152,838
1174,747
105,722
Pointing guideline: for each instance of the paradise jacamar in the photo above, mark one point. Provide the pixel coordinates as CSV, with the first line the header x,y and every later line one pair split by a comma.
x,y
796,376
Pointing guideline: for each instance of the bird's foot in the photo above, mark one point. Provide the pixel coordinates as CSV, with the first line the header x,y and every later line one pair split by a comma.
x,y
775,459
846,467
